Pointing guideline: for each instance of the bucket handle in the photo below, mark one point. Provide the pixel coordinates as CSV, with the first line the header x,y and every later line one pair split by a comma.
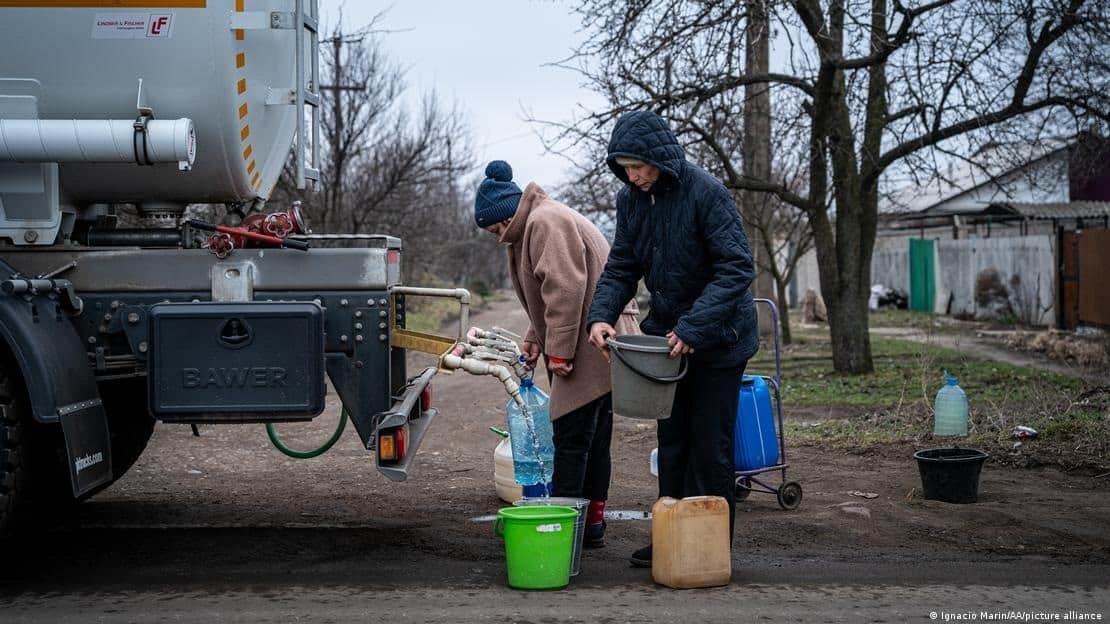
x,y
615,350
499,527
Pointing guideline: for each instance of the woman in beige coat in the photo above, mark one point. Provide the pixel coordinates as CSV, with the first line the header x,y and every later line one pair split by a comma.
x,y
555,258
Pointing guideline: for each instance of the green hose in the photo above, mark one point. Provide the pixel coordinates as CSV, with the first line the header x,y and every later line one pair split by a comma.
x,y
272,432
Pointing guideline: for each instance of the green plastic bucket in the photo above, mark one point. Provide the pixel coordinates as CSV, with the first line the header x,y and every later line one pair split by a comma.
x,y
538,545
579,505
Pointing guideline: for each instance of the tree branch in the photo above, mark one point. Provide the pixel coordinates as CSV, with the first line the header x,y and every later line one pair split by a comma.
x,y
738,181
987,119
1017,105
900,38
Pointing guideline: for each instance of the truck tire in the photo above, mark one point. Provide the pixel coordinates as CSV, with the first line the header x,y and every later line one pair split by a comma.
x,y
34,480
34,477
14,410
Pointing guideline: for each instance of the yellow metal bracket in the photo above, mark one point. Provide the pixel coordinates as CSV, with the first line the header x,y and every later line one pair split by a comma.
x,y
433,344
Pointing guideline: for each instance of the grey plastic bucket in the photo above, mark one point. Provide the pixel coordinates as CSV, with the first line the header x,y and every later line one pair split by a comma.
x,y
644,376
579,505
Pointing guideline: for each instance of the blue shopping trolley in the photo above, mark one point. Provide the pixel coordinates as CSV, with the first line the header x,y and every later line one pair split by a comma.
x,y
760,445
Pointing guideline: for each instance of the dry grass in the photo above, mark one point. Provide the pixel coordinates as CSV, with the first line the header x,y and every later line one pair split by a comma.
x,y
1062,346
892,407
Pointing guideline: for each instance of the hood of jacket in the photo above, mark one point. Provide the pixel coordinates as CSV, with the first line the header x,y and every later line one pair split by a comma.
x,y
645,136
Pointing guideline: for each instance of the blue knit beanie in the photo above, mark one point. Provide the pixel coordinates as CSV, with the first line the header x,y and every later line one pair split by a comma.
x,y
497,196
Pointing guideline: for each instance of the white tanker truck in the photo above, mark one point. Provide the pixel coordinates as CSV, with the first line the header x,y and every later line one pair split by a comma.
x,y
106,329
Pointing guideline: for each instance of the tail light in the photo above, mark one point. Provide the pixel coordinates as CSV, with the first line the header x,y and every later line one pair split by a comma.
x,y
393,444
426,398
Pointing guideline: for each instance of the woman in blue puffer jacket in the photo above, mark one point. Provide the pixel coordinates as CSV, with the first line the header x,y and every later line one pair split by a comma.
x,y
678,229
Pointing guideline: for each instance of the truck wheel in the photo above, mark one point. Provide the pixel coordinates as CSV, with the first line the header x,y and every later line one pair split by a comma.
x,y
129,422
13,410
33,474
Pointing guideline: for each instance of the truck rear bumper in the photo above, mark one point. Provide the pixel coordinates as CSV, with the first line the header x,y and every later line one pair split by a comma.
x,y
406,410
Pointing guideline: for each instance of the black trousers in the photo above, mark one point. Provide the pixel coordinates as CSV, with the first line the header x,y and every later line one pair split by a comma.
x,y
582,437
696,442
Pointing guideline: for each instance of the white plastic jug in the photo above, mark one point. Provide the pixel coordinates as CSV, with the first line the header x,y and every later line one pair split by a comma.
x,y
503,481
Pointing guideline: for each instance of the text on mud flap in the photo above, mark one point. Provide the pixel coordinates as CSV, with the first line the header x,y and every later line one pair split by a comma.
x,y
82,463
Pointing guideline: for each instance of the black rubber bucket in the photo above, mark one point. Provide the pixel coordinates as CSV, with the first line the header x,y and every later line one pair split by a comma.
x,y
950,474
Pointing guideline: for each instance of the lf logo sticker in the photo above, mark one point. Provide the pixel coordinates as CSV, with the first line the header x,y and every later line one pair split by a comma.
x,y
132,25
159,25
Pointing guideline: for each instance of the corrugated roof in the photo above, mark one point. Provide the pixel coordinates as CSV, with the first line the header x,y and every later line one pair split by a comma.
x,y
963,176
1057,210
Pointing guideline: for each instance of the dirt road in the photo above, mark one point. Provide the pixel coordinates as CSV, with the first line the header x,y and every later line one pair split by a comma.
x,y
224,528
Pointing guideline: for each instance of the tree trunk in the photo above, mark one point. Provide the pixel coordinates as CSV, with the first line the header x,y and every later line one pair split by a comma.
x,y
851,343
845,282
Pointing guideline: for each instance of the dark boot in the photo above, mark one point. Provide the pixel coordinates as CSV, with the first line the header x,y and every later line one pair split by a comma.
x,y
594,536
641,558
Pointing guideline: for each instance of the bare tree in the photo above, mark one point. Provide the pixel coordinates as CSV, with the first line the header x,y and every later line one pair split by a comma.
x,y
784,237
778,232
389,166
592,188
869,87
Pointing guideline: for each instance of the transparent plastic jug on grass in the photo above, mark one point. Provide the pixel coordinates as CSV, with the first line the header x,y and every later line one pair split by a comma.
x,y
531,435
950,409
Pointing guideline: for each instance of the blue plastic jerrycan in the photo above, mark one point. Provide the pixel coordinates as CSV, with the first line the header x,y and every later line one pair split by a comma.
x,y
756,445
950,409
531,436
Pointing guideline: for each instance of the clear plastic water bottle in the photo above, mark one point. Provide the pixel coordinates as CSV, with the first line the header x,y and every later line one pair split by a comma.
x,y
950,409
532,437
654,468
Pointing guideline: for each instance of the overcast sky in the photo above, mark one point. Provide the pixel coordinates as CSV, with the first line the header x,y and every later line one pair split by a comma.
x,y
489,56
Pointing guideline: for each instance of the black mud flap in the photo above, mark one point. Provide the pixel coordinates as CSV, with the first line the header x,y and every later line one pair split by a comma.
x,y
60,384
88,445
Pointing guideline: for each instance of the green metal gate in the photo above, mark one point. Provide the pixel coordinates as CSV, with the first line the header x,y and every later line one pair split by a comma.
x,y
923,282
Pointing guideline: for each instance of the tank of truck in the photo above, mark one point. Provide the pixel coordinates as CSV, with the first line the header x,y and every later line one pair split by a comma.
x,y
83,59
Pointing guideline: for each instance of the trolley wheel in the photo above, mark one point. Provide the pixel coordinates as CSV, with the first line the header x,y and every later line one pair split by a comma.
x,y
743,488
790,495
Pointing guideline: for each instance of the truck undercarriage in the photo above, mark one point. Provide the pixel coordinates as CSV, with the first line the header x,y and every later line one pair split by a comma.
x,y
121,337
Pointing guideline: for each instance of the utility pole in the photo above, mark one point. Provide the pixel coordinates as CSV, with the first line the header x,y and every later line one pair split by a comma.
x,y
756,146
334,190
453,200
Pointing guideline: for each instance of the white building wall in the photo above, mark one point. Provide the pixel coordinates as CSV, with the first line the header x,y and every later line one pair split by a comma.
x,y
805,276
1026,264
890,263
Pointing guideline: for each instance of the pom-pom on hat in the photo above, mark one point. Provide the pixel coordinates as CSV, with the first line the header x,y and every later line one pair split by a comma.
x,y
498,195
